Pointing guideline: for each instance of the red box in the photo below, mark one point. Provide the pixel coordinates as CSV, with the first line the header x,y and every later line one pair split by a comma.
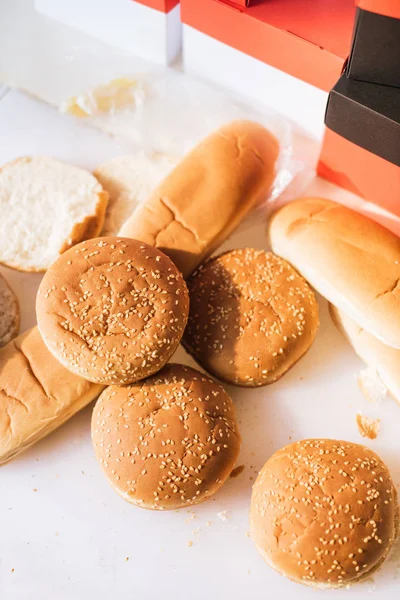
x,y
355,169
361,148
309,39
388,8
161,5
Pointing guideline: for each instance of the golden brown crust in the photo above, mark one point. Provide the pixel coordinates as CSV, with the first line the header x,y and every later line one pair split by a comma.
x,y
167,442
112,310
205,197
9,313
252,317
324,512
36,393
348,258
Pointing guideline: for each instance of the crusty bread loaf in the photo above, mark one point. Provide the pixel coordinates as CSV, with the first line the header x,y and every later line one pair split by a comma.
x,y
204,198
9,313
36,393
384,359
129,181
324,512
46,206
167,442
348,258
112,310
251,318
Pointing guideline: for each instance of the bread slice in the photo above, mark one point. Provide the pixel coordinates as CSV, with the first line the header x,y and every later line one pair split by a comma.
x,y
9,313
129,181
46,206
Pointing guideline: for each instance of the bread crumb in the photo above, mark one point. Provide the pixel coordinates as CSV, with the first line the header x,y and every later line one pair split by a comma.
x,y
223,515
190,517
248,571
196,531
126,559
35,489
12,570
367,427
371,385
209,523
237,471
190,543
248,533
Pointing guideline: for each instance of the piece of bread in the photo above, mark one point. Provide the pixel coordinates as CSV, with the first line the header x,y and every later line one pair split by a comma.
x,y
129,181
384,359
46,206
324,512
9,313
112,310
251,318
166,442
37,394
348,258
204,198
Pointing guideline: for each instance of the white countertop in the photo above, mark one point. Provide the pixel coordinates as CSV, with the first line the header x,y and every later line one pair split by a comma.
x,y
64,532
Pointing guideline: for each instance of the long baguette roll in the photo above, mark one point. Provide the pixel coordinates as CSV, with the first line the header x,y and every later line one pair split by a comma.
x,y
384,359
37,394
205,197
349,259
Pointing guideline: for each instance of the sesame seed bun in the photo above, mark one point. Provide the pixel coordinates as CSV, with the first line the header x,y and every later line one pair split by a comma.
x,y
167,442
112,310
324,512
252,316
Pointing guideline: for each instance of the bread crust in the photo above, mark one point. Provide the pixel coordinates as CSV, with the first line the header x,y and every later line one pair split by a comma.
x,y
324,512
384,359
37,394
349,259
91,226
251,318
112,310
168,441
205,197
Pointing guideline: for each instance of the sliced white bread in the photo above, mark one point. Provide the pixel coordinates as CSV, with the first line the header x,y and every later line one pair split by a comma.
x,y
9,313
129,181
46,206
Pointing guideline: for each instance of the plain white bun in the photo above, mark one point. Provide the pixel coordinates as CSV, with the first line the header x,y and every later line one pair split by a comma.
x,y
349,259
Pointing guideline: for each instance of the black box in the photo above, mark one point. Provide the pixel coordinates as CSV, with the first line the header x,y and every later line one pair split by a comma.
x,y
367,115
361,147
375,52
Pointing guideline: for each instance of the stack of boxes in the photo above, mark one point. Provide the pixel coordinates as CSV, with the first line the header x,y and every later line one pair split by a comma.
x,y
282,54
287,55
361,148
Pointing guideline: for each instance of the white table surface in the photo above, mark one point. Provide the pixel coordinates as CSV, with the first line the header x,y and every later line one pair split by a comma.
x,y
65,534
